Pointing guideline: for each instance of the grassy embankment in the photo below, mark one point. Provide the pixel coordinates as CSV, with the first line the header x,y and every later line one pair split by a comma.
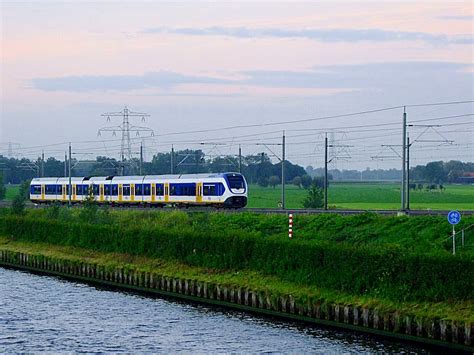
x,y
367,196
392,263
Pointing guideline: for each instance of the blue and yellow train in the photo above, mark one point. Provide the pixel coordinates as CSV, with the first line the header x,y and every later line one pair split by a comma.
x,y
228,190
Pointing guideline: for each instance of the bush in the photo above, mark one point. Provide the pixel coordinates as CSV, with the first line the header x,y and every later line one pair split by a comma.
x,y
3,189
18,205
262,181
315,198
306,181
273,180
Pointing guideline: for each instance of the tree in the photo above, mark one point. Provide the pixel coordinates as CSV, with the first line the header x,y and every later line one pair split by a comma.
x,y
306,181
434,172
297,181
18,205
315,197
53,167
3,190
273,180
319,181
262,181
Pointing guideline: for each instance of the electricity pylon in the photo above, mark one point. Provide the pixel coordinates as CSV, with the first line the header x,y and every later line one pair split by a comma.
x,y
126,129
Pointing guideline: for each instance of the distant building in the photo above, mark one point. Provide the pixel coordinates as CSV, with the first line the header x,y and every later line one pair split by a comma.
x,y
466,178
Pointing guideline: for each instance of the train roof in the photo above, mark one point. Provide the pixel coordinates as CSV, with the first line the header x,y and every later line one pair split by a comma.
x,y
48,179
65,180
130,178
183,176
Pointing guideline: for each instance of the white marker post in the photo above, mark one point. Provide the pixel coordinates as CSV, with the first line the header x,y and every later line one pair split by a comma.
x,y
454,217
290,226
454,241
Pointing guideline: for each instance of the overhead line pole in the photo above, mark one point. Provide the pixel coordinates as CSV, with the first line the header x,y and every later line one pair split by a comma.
x,y
240,159
172,160
141,158
283,172
70,184
408,173
65,164
404,140
326,172
42,163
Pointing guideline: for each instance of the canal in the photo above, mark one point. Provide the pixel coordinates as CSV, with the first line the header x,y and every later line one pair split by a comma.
x,y
42,313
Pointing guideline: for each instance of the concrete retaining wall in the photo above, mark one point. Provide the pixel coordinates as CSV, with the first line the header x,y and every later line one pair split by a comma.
x,y
446,333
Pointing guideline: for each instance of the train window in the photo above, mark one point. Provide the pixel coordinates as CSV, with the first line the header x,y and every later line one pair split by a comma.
x,y
35,189
126,190
138,189
59,189
50,189
146,189
159,190
86,190
107,190
209,190
183,189
235,181
114,190
96,190
78,189
213,189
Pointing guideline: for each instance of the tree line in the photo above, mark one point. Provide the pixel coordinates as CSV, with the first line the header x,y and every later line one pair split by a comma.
x,y
258,169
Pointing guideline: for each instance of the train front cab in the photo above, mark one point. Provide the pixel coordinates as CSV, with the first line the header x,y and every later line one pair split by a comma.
x,y
238,188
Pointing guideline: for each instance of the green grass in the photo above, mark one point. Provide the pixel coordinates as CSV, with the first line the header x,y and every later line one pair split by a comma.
x,y
398,258
363,196
12,191
463,311
367,196
421,234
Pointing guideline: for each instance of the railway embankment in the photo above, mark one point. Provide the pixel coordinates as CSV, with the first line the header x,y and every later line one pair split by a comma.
x,y
384,287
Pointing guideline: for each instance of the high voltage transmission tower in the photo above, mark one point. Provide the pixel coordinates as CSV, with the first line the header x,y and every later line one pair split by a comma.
x,y
126,128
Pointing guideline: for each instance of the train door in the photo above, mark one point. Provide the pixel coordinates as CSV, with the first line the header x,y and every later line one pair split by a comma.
x,y
101,191
120,192
74,192
132,192
64,192
42,192
153,192
167,191
199,192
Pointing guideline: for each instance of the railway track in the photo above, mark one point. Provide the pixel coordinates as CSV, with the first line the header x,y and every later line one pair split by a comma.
x,y
4,204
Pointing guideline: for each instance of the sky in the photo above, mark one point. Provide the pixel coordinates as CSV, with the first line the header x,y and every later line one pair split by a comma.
x,y
246,66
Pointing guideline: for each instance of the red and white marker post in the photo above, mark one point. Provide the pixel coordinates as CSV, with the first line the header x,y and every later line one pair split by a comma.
x,y
290,226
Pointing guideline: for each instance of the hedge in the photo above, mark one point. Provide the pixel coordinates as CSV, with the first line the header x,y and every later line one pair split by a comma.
x,y
381,271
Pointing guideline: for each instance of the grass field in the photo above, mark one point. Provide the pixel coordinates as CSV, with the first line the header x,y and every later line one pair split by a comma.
x,y
364,196
12,190
371,196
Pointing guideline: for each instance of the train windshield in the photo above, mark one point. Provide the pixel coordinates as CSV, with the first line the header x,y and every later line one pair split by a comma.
x,y
235,181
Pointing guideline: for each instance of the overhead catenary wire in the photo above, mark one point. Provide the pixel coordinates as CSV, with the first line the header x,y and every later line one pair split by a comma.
x,y
251,139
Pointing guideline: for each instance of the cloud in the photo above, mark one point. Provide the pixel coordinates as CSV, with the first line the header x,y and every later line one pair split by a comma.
x,y
161,79
368,76
371,76
324,35
457,17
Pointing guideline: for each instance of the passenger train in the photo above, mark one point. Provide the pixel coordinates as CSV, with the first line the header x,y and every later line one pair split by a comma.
x,y
228,190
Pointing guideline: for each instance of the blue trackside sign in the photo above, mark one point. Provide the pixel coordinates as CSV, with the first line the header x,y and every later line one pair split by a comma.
x,y
454,217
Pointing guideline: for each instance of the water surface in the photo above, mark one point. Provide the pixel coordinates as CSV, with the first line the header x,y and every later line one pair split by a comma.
x,y
43,313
